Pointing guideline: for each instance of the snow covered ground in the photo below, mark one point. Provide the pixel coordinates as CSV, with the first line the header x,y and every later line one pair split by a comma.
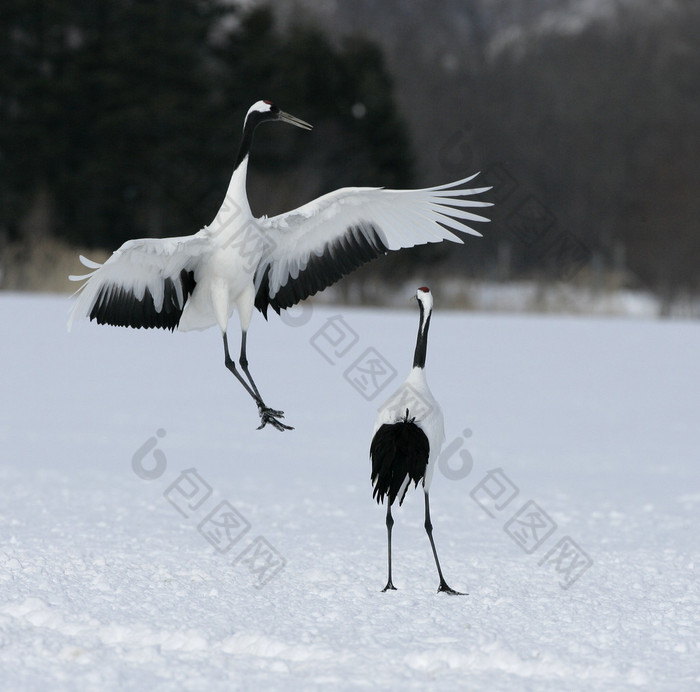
x,y
152,538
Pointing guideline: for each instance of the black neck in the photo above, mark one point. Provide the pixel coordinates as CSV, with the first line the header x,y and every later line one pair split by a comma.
x,y
246,142
252,121
422,340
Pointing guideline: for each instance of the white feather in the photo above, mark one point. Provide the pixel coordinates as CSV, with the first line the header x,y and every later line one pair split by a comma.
x,y
136,266
402,218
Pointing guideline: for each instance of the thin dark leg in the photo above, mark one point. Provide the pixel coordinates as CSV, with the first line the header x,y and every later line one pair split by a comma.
x,y
389,524
243,361
429,530
231,365
267,415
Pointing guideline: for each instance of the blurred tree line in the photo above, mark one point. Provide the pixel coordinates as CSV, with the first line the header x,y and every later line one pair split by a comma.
x,y
584,116
604,128
121,118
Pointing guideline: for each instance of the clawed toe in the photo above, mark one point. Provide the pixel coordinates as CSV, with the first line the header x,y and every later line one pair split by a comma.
x,y
270,416
444,588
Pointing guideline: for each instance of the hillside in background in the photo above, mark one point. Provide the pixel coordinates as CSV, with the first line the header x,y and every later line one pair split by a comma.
x,y
115,123
585,115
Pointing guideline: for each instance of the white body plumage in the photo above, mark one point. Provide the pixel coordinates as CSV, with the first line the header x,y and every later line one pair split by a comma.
x,y
415,396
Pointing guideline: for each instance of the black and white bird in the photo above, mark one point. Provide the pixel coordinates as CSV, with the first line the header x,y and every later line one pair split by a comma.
x,y
241,262
407,438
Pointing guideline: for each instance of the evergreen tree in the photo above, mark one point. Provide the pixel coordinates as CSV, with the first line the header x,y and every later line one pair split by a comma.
x,y
128,114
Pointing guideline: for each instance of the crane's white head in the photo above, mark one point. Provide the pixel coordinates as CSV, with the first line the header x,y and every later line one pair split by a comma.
x,y
425,298
265,110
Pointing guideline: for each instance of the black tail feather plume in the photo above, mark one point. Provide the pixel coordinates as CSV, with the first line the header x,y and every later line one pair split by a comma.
x,y
398,450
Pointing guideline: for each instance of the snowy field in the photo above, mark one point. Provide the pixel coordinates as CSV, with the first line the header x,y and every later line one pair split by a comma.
x,y
153,539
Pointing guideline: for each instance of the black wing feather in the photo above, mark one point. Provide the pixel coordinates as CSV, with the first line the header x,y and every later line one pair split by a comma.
x,y
359,245
121,308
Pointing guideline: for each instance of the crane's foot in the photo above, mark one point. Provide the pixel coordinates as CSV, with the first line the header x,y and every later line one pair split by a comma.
x,y
270,416
389,587
446,589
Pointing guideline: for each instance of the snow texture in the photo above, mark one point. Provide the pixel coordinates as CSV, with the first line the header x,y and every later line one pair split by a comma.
x,y
152,538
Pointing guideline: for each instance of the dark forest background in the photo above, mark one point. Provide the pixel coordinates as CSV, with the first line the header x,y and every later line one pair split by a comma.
x,y
121,119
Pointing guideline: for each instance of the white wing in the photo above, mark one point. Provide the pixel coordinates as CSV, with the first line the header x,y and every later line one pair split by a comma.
x,y
145,283
315,245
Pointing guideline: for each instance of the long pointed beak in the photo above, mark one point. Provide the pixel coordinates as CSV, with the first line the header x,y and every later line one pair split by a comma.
x,y
294,121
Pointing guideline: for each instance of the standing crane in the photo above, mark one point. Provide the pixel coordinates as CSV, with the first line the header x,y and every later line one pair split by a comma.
x,y
407,439
240,262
